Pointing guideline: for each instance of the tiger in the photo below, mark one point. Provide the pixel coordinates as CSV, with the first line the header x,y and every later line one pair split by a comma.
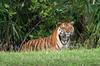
x,y
58,40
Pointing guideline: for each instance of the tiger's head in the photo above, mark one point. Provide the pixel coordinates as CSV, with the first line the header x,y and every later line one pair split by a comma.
x,y
64,33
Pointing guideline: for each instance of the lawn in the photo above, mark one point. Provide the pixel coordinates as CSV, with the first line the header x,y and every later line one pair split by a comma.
x,y
78,57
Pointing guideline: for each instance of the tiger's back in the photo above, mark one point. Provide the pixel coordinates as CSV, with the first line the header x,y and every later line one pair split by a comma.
x,y
37,44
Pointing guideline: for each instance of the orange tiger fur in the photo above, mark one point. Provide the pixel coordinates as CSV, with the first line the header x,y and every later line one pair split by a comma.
x,y
51,42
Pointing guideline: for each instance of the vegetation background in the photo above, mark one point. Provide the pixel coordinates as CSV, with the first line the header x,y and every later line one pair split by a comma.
x,y
22,20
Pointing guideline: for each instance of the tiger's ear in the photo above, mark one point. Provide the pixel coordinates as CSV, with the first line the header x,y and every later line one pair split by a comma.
x,y
72,22
59,23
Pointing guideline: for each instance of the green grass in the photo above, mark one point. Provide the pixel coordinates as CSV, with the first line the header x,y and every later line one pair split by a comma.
x,y
79,57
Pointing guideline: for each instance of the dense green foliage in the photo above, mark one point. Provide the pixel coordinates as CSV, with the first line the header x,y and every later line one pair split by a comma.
x,y
21,20
82,57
